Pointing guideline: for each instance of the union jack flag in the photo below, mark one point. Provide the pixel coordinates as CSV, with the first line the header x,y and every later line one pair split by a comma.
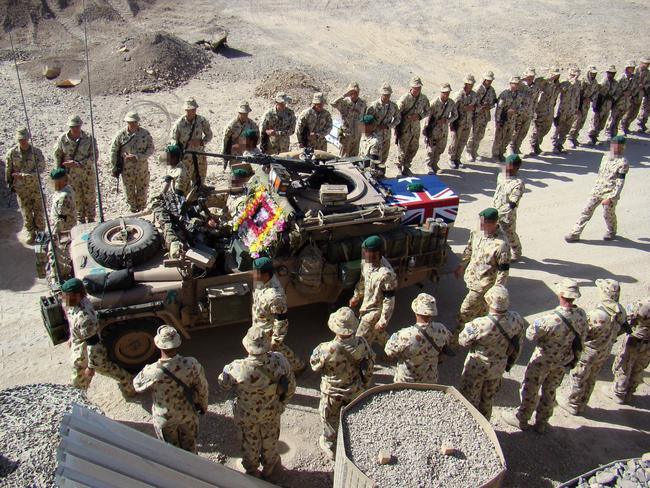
x,y
436,199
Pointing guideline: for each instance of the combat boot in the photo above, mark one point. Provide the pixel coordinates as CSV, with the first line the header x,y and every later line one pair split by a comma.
x,y
31,238
267,471
512,420
593,140
571,238
574,143
642,128
610,236
541,427
568,408
326,448
537,150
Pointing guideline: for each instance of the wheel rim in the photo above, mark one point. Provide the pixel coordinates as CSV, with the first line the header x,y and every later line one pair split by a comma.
x,y
115,235
134,347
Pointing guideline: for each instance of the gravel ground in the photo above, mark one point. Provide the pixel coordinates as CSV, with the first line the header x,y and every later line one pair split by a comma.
x,y
30,417
634,473
413,426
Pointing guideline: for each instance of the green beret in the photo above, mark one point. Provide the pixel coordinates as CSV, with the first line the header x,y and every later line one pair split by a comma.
x,y
57,173
249,133
415,187
265,265
72,285
618,139
240,173
174,149
513,159
372,243
490,214
367,119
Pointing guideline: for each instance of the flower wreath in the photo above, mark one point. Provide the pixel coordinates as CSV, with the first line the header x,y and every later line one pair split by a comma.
x,y
261,222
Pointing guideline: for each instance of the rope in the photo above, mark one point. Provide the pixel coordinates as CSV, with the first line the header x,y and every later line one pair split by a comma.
x,y
57,273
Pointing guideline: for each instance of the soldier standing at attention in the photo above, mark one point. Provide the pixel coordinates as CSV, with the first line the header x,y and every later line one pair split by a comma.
x,y
486,262
263,384
494,342
63,218
441,113
387,115
529,91
192,132
466,102
346,365
545,109
510,109
179,391
352,108
314,124
413,106
567,109
589,88
375,291
419,348
644,84
278,124
636,96
130,152
22,162
74,152
510,189
559,335
626,91
88,354
486,99
602,103
233,135
606,192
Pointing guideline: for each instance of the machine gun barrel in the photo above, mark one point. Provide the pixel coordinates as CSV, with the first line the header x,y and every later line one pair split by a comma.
x,y
292,165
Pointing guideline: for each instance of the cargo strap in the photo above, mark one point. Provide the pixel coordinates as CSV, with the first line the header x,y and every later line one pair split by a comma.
x,y
189,392
500,328
430,340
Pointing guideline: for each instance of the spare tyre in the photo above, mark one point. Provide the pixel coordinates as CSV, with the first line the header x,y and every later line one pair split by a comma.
x,y
123,242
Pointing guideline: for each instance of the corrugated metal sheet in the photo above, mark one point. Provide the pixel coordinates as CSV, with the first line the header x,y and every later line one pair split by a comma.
x,y
98,452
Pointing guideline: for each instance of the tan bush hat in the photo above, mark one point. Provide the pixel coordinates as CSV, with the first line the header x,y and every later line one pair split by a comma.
x,y
132,117
530,72
609,289
415,82
554,71
75,121
645,61
498,298
167,337
257,341
244,107
630,63
343,321
574,71
489,75
22,133
385,89
568,288
515,79
592,69
353,86
317,98
425,304
611,69
282,97
190,104
445,88
469,80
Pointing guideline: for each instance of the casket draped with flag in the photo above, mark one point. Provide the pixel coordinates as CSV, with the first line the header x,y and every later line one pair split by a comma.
x,y
428,197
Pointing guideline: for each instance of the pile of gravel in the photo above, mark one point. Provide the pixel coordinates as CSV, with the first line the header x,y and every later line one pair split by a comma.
x,y
30,417
627,474
300,86
412,426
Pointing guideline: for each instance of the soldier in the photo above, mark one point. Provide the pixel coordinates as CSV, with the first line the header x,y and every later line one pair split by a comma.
x,y
371,144
63,216
636,89
486,99
278,125
75,151
530,90
233,134
644,86
633,355
606,192
413,107
192,132
177,178
270,310
508,117
589,88
263,383
419,348
346,364
130,151
375,291
441,113
249,136
22,162
559,335
510,189
567,109
486,262
494,347
314,124
179,391
603,104
465,101
604,323
626,90
387,115
88,354
352,108
545,109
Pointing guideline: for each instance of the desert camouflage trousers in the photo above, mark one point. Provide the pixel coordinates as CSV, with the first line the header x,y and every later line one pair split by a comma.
x,y
179,434
502,136
543,124
600,119
278,144
631,113
367,322
32,209
617,114
473,306
609,212
318,143
99,361
538,390
510,230
329,409
562,129
632,359
519,133
459,140
435,147
579,123
136,185
478,133
63,260
295,362
479,385
82,181
583,377
409,144
189,166
349,145
645,110
385,147
259,442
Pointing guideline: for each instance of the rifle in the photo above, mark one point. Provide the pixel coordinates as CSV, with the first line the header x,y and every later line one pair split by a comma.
x,y
428,129
399,127
303,137
9,176
576,344
513,343
264,144
119,162
480,104
74,155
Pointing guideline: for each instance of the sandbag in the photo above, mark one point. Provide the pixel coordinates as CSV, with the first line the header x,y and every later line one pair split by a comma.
x,y
98,283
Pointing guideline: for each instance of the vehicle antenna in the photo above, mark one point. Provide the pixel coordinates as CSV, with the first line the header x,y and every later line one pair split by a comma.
x,y
57,274
92,120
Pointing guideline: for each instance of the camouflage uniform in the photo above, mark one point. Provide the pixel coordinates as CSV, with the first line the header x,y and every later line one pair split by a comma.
x,y
528,99
544,112
284,124
82,180
636,97
232,134
83,327
607,90
506,199
135,174
258,406
644,88
180,178
486,99
609,184
589,89
26,187
350,134
388,115
460,136
567,111
371,145
548,364
633,356
270,314
627,90
489,352
376,292
174,419
505,121
180,134
409,140
487,262
320,123
443,114
63,215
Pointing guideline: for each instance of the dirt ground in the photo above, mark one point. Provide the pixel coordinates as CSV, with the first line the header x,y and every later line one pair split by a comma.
x,y
335,42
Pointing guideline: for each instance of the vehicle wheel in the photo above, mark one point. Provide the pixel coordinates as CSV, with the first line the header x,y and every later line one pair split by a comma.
x,y
130,343
124,242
